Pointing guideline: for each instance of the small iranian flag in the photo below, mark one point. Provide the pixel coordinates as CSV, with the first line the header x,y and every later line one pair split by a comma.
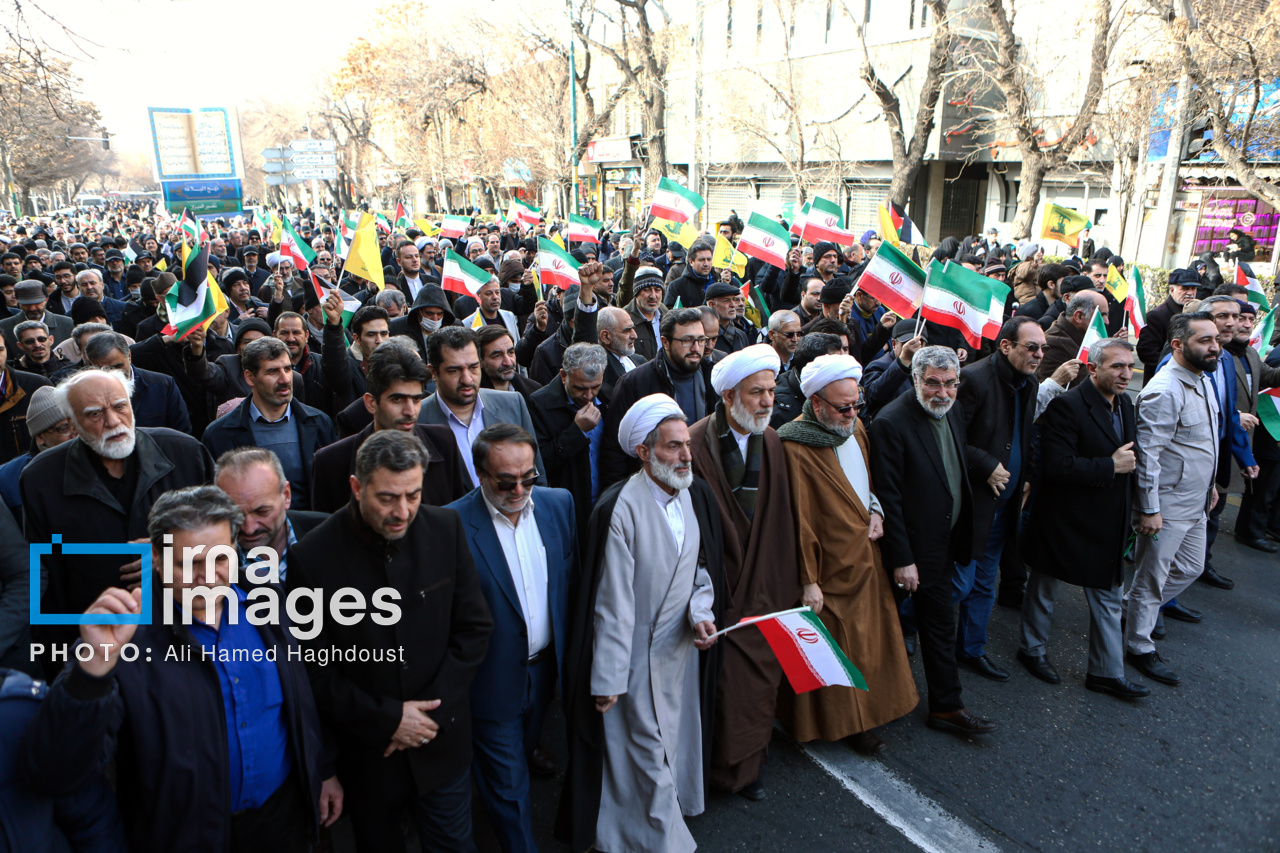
x,y
959,298
1246,279
350,305
454,227
584,230
895,280
262,221
462,276
524,213
674,202
382,223
825,222
797,227
1136,305
403,222
1097,331
802,644
765,239
556,266
293,247
1269,410
1263,331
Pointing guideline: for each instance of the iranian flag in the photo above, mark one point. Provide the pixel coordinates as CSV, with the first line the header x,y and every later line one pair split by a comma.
x,y
1097,331
825,222
806,650
1263,331
1269,410
1246,279
895,280
1136,304
584,230
797,227
765,239
462,276
959,298
382,223
524,213
674,202
262,221
294,248
350,305
403,222
556,266
454,227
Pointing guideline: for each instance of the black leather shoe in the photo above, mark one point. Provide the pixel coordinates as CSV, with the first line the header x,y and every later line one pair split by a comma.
x,y
1212,578
865,743
1260,545
1040,667
960,723
1182,614
541,764
909,640
1120,687
984,667
1157,633
753,792
1153,667
1273,534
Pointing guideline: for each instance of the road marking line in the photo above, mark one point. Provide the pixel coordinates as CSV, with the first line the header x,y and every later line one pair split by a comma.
x,y
925,824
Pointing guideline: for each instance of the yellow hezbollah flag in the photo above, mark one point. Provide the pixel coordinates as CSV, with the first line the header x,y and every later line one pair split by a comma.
x,y
679,232
477,321
426,227
162,265
555,238
727,256
1063,224
365,258
1116,285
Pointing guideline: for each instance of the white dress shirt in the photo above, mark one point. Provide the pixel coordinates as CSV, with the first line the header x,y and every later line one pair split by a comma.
x,y
466,434
742,442
670,506
527,562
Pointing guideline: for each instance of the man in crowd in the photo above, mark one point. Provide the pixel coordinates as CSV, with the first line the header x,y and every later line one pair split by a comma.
x,y
498,367
402,724
343,373
251,735
647,311
68,291
409,279
291,329
722,298
1048,277
740,457
35,344
839,522
784,335
1183,286
1252,376
49,427
91,287
788,396
523,540
1087,451
638,698
31,304
616,331
156,399
889,376
921,467
427,315
490,310
690,288
1064,336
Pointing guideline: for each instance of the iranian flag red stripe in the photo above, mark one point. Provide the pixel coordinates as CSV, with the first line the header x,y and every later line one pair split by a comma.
x,y
895,280
1097,331
292,247
765,239
556,266
674,202
825,222
462,276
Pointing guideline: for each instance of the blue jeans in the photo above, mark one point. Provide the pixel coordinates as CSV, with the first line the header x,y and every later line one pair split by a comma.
x,y
975,590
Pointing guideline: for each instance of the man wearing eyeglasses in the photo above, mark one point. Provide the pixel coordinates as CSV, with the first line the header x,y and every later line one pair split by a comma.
x,y
998,398
523,539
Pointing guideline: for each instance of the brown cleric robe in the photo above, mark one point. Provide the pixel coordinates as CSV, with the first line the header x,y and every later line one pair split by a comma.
x,y
857,608
760,577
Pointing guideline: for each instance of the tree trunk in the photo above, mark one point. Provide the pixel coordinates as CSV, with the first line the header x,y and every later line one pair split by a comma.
x,y
1030,183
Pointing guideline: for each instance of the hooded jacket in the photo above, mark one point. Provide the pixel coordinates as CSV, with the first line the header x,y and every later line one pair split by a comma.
x,y
410,325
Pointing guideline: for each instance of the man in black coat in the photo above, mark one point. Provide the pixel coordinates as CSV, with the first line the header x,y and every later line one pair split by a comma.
x,y
1183,287
1087,455
197,763
922,466
690,288
16,388
429,311
401,717
998,398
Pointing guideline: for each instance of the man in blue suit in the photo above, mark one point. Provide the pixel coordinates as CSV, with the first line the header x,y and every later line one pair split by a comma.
x,y
524,543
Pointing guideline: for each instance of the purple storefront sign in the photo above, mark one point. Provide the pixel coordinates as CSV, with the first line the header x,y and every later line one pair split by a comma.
x,y
1223,210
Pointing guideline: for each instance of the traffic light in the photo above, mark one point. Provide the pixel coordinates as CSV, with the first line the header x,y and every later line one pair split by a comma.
x,y
106,140
1199,138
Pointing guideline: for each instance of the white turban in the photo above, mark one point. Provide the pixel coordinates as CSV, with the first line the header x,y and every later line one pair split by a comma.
x,y
734,368
643,416
420,242
825,369
274,259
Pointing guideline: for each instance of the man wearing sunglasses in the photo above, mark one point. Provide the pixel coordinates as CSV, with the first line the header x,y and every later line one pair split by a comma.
x,y
785,335
36,345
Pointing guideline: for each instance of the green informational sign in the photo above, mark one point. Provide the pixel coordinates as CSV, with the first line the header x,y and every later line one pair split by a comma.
x,y
214,205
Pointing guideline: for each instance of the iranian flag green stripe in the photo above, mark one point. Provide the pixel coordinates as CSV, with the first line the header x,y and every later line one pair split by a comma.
x,y
674,202
584,230
1097,331
825,222
808,654
462,276
350,305
895,280
293,247
765,239
556,266
1136,304
454,227
1269,411
956,300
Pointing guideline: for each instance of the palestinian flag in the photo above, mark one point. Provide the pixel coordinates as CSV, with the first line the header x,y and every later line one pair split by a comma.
x,y
556,266
403,222
757,312
1116,285
1097,331
797,225
957,300
1136,305
583,230
897,227
1263,331
454,227
674,202
294,248
1063,224
895,280
765,239
524,213
350,305
193,302
1245,278
462,276
1269,410
805,649
825,222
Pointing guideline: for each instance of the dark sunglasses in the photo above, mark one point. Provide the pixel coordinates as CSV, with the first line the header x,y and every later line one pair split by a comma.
x,y
510,485
844,410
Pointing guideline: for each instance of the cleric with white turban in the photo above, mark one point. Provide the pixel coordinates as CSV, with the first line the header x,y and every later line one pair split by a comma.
x,y
825,369
273,260
643,417
736,367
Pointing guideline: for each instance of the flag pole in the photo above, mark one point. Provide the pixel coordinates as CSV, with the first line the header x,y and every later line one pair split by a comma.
x,y
754,619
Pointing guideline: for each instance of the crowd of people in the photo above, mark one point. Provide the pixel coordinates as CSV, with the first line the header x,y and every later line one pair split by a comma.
x,y
468,507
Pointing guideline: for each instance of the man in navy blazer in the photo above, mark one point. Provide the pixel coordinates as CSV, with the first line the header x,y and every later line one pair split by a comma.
x,y
524,543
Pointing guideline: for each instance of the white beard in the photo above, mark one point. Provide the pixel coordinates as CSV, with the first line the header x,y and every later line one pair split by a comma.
x,y
934,409
744,417
112,449
667,475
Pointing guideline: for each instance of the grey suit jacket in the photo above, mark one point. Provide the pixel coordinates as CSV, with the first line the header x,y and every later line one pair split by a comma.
x,y
58,324
1177,444
497,407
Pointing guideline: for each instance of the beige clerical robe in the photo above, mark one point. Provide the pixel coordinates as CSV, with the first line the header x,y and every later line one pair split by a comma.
x,y
858,607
